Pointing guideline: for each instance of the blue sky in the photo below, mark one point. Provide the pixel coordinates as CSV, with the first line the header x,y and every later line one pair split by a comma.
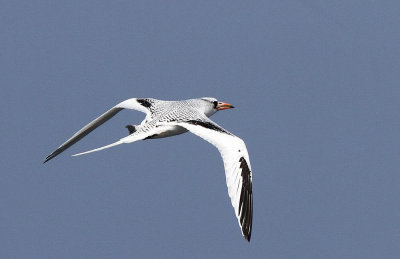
x,y
316,90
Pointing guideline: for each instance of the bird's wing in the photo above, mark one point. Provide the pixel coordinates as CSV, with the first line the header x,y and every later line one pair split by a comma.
x,y
143,105
236,163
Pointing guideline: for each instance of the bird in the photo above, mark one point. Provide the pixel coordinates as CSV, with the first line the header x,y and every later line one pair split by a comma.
x,y
170,118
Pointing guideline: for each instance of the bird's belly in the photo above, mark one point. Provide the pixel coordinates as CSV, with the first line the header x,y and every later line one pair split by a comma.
x,y
170,131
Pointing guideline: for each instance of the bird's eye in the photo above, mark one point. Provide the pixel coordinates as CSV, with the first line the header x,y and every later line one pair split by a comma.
x,y
215,104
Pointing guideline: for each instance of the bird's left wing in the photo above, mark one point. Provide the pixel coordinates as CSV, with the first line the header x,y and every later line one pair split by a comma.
x,y
143,105
236,163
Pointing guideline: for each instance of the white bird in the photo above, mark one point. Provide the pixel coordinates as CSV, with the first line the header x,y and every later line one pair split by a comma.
x,y
169,118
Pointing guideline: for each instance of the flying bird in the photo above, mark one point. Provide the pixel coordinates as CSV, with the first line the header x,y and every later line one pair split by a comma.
x,y
170,118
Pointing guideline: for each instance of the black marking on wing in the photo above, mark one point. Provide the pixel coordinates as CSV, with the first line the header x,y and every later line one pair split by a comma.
x,y
144,102
131,128
150,137
246,200
208,125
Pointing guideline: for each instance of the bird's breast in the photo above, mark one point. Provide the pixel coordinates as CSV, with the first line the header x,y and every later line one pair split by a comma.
x,y
169,131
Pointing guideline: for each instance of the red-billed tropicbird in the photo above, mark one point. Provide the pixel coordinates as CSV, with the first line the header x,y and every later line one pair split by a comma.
x,y
169,118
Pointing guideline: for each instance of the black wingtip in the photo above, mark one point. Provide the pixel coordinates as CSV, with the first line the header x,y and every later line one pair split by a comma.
x,y
48,158
246,200
52,155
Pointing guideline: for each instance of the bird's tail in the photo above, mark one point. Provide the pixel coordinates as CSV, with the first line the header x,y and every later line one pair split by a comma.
x,y
100,148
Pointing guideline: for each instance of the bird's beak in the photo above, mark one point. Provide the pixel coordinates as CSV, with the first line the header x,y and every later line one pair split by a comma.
x,y
224,106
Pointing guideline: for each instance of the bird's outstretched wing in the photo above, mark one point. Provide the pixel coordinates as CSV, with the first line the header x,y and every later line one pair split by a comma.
x,y
139,104
237,167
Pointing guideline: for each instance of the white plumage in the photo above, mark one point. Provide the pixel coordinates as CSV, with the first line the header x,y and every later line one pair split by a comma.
x,y
169,118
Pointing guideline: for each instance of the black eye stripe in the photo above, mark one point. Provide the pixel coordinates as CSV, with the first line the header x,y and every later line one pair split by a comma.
x,y
215,104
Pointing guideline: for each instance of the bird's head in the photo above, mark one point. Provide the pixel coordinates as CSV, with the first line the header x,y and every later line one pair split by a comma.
x,y
213,105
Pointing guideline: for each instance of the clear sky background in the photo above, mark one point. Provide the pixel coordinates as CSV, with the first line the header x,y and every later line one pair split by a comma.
x,y
316,89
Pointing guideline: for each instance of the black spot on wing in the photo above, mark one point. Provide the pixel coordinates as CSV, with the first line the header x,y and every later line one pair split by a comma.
x,y
246,200
150,137
144,102
208,125
131,128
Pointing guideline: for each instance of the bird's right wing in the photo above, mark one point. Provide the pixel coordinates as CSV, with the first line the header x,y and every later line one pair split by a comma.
x,y
237,167
139,104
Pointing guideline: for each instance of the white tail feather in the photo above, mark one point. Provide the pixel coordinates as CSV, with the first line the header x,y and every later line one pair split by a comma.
x,y
100,148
